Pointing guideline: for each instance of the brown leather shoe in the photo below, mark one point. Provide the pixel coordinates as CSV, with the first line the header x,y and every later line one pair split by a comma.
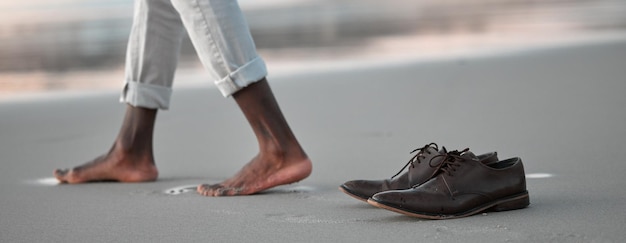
x,y
423,166
464,186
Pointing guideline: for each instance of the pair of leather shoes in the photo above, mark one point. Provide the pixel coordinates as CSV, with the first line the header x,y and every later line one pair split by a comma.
x,y
442,185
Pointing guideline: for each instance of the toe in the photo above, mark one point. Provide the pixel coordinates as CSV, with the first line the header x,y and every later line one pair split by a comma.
x,y
61,174
211,190
202,189
221,191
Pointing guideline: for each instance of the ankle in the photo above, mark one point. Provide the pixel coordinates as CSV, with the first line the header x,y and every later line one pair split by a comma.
x,y
286,153
125,151
134,141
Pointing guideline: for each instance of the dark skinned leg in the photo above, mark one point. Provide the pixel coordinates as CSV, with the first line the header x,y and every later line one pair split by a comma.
x,y
130,159
280,160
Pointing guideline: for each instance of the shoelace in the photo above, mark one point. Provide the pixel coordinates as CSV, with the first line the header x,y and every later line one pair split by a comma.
x,y
449,163
452,161
416,157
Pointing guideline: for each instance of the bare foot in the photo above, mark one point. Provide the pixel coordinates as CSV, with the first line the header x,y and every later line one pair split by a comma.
x,y
258,175
129,160
281,159
110,167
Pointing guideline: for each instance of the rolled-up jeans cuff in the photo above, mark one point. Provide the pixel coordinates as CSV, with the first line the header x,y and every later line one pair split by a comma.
x,y
146,95
247,74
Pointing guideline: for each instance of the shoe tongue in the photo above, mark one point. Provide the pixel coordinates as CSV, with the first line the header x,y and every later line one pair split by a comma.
x,y
442,150
430,159
432,149
469,155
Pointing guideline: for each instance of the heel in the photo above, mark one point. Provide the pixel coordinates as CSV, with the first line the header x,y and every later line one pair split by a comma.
x,y
517,202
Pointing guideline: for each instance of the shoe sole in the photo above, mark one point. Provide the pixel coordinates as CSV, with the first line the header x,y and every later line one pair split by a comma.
x,y
354,195
517,201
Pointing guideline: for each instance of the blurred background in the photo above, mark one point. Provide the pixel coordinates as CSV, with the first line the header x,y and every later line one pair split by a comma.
x,y
48,45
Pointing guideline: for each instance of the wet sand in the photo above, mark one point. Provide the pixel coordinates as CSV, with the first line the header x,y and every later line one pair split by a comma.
x,y
561,109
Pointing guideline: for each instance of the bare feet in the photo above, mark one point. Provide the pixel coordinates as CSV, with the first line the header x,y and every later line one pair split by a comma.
x,y
258,175
114,166
129,160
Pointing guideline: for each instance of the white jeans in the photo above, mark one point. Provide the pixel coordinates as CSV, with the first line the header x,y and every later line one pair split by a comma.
x,y
219,33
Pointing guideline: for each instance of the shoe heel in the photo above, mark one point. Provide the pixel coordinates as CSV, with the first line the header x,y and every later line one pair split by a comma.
x,y
518,202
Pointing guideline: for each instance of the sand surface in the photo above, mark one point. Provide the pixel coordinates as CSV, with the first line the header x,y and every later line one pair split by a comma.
x,y
561,109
